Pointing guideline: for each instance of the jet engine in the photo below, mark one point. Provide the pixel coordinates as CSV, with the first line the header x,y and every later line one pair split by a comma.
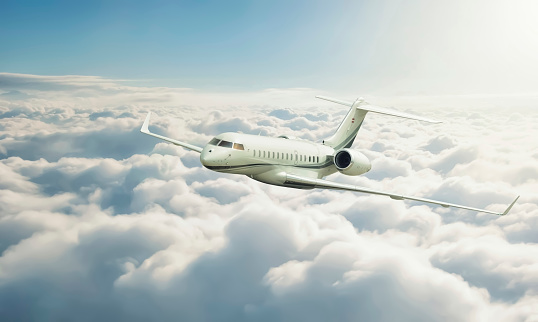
x,y
351,162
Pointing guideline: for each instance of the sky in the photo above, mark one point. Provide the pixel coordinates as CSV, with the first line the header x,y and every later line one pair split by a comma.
x,y
363,47
100,222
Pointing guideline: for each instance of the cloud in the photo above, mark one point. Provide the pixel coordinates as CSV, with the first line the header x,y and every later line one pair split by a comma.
x,y
100,221
367,277
439,143
460,155
301,123
482,264
93,91
218,122
15,95
283,114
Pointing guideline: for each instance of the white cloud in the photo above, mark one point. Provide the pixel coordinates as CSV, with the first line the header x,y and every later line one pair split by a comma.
x,y
97,219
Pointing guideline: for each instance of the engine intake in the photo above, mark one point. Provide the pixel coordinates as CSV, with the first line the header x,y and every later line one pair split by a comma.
x,y
351,162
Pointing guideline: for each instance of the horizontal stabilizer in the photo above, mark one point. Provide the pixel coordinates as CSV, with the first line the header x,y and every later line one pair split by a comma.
x,y
334,100
370,108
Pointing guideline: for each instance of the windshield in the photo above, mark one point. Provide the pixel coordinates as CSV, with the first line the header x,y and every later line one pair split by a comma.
x,y
225,144
214,141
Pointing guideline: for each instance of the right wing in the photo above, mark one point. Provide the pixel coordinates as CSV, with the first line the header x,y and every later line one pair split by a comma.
x,y
145,130
325,184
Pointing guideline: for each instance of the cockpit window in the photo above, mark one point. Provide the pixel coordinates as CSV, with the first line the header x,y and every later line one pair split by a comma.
x,y
214,141
225,144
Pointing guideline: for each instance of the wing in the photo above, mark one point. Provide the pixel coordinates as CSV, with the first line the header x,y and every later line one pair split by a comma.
x,y
324,184
145,130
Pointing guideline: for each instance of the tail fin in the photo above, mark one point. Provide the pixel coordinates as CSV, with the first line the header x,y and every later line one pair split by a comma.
x,y
347,131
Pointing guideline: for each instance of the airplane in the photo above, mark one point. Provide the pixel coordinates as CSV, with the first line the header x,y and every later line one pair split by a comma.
x,y
290,162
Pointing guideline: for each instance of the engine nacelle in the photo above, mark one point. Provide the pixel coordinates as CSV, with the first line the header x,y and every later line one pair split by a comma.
x,y
351,162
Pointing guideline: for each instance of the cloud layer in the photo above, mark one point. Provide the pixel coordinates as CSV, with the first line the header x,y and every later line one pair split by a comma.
x,y
98,221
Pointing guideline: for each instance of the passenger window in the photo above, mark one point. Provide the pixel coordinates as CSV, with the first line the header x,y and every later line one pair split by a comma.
x,y
238,146
264,154
273,155
225,144
308,159
214,141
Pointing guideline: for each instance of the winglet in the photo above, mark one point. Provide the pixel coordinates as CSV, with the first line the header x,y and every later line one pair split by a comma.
x,y
509,207
144,128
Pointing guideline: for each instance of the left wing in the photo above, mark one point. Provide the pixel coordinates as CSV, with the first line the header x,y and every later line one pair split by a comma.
x,y
320,183
145,130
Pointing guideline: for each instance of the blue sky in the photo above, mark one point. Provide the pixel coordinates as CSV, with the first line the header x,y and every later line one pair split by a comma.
x,y
187,43
380,47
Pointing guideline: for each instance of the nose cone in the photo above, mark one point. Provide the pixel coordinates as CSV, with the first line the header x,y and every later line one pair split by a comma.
x,y
212,157
207,157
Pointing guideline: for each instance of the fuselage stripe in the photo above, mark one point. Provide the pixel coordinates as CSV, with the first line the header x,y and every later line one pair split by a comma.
x,y
229,167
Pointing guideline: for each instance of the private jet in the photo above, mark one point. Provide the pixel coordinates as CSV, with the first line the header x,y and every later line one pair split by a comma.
x,y
290,162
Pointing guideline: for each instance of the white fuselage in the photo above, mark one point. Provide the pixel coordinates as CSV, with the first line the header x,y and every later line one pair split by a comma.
x,y
268,159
